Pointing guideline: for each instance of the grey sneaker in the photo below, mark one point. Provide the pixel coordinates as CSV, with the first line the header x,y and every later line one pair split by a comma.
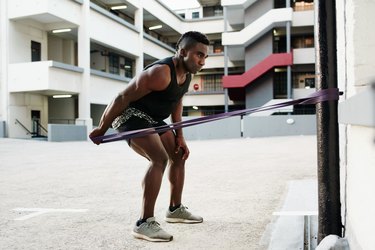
x,y
181,215
151,231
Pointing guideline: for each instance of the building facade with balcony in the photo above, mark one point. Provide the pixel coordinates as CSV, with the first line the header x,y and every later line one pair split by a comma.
x,y
63,61
275,40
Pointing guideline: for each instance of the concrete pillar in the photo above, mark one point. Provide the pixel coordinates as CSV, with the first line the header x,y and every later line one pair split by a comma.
x,y
139,24
226,96
288,50
84,117
4,60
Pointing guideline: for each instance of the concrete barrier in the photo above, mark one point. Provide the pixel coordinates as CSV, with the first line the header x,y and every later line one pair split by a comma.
x,y
222,129
66,132
2,129
252,126
279,125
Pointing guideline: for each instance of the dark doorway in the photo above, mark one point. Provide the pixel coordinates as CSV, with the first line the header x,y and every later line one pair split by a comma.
x,y
36,53
35,119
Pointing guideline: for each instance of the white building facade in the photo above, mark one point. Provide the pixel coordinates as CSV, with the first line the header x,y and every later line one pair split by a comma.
x,y
63,61
356,78
88,50
275,40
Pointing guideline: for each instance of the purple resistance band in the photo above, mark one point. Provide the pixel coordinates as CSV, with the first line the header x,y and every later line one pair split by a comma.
x,y
330,94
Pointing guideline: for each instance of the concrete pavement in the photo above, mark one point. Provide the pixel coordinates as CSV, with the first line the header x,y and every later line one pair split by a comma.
x,y
76,195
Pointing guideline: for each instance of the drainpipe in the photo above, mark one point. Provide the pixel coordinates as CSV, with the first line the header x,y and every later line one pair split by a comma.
x,y
288,49
225,59
329,220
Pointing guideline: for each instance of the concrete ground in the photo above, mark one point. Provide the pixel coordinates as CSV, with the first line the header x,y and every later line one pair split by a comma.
x,y
76,195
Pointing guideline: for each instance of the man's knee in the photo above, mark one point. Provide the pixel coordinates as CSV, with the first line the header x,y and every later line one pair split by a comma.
x,y
177,161
161,161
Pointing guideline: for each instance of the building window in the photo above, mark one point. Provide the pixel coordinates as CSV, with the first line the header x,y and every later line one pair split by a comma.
x,y
212,83
304,80
195,15
298,42
279,4
279,44
215,47
310,83
213,11
114,64
128,68
280,83
218,48
35,51
299,5
303,42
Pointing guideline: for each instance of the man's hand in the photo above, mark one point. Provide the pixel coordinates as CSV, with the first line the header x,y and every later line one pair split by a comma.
x,y
181,145
95,133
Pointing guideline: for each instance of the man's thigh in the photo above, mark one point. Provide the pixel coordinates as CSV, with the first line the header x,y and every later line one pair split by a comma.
x,y
169,142
149,146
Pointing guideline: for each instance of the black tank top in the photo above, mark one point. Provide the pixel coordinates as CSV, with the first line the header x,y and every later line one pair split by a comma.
x,y
160,104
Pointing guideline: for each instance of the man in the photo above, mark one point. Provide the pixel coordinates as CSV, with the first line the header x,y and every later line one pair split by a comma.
x,y
150,98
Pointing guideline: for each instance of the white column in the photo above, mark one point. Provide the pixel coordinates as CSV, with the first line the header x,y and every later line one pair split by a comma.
x,y
226,97
288,50
139,24
84,117
4,60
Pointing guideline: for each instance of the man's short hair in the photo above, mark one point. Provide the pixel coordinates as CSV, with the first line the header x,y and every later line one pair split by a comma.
x,y
190,39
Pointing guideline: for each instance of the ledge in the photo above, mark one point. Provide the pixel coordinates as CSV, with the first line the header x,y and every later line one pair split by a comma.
x,y
67,67
113,17
359,109
154,40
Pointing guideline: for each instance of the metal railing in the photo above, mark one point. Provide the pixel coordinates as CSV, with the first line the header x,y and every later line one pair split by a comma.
x,y
23,126
33,134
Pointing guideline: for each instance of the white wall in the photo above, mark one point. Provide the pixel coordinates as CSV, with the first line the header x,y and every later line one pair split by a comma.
x,y
60,50
103,90
124,38
21,36
204,100
304,56
61,110
356,63
216,61
68,52
154,50
46,78
207,26
57,10
4,52
303,18
20,106
55,48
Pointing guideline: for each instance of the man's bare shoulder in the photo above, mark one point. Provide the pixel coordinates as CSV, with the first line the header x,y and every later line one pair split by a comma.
x,y
159,76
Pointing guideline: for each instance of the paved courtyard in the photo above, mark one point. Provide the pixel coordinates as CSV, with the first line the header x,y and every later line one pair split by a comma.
x,y
77,195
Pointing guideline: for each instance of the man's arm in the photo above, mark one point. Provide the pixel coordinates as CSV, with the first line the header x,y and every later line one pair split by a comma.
x,y
153,79
176,116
